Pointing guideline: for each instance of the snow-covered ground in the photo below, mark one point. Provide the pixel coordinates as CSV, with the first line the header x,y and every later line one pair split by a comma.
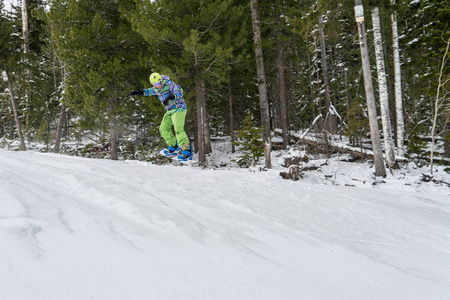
x,y
78,228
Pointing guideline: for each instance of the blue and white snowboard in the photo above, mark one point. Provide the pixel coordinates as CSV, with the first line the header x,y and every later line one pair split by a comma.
x,y
174,157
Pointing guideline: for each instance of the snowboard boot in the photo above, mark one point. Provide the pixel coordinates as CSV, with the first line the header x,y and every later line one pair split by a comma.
x,y
172,150
186,153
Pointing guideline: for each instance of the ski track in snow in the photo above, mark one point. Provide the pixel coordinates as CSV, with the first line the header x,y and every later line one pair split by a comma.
x,y
74,228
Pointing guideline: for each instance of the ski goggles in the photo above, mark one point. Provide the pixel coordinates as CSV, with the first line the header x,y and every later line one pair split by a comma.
x,y
159,83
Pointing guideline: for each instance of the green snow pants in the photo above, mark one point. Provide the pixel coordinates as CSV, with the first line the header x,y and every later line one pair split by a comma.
x,y
176,120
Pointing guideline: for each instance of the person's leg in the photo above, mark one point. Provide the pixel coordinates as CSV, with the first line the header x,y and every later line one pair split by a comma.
x,y
178,120
165,129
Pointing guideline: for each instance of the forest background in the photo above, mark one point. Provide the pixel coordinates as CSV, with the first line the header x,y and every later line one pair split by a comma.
x,y
68,67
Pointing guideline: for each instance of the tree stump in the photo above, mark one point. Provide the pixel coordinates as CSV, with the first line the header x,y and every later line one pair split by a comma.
x,y
293,174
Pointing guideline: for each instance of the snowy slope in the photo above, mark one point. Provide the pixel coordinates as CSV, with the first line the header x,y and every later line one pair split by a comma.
x,y
74,228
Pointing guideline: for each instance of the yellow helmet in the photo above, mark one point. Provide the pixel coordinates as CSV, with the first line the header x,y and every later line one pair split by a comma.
x,y
154,78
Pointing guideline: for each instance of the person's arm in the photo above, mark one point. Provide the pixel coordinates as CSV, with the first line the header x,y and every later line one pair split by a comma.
x,y
149,92
176,90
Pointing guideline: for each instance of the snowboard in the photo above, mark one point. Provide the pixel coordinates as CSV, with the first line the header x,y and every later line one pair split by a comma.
x,y
174,157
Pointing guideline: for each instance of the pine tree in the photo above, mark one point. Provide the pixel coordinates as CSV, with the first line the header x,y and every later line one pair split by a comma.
x,y
191,41
337,48
250,142
358,124
262,84
99,51
423,26
330,116
32,76
8,56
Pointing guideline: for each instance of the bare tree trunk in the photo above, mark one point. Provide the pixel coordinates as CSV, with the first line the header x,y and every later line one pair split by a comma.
x,y
282,87
380,170
206,129
114,130
263,99
398,89
25,32
312,65
382,87
26,43
62,116
438,105
281,79
15,110
446,135
331,124
201,119
347,94
230,100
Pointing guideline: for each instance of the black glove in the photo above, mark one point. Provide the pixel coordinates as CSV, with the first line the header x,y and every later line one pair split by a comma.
x,y
168,99
139,92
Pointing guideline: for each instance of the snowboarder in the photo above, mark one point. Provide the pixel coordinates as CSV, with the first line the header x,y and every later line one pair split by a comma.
x,y
171,96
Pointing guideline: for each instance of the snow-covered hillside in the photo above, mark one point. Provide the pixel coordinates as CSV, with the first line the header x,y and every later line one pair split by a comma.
x,y
76,228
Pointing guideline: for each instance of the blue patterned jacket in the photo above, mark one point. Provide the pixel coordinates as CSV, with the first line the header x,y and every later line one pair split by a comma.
x,y
167,89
